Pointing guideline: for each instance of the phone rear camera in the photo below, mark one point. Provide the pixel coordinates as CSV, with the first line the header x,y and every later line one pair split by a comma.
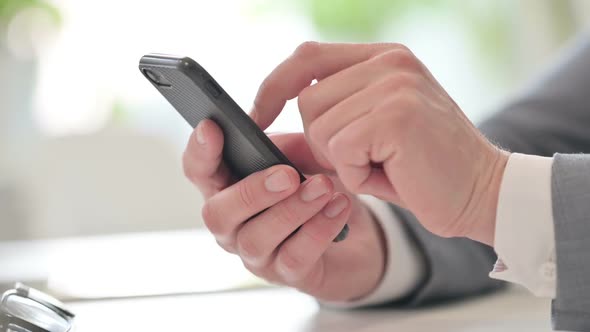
x,y
156,78
213,89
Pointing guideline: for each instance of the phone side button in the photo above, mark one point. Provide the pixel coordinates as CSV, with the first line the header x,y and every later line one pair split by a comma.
x,y
213,89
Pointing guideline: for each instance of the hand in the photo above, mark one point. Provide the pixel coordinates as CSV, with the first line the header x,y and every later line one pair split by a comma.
x,y
256,217
379,118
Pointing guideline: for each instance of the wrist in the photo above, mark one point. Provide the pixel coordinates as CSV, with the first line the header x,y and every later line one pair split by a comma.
x,y
380,244
483,223
401,267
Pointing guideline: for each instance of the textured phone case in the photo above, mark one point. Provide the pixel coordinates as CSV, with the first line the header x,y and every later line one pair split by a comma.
x,y
196,96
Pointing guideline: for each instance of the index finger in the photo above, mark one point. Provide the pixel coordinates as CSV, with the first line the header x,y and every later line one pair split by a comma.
x,y
310,61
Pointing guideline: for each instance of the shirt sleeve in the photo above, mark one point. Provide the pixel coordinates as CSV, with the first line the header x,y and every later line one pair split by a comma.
x,y
524,235
404,267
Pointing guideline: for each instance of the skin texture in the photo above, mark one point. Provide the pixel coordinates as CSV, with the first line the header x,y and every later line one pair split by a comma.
x,y
376,122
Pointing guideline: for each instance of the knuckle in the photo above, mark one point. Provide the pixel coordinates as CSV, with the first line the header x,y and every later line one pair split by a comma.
x,y
317,133
314,281
254,270
318,235
380,48
211,219
307,50
401,47
400,80
285,215
403,111
409,101
399,57
339,146
273,279
383,148
305,99
229,247
262,272
265,88
291,262
265,84
246,196
409,80
246,246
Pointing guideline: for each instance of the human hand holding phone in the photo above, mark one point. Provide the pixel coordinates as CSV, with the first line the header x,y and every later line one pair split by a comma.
x,y
197,96
255,218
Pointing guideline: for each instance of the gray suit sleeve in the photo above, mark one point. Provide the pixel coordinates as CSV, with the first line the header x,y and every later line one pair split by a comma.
x,y
551,116
455,267
570,185
555,118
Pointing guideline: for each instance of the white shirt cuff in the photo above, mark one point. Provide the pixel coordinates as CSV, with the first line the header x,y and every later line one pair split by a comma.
x,y
524,236
404,267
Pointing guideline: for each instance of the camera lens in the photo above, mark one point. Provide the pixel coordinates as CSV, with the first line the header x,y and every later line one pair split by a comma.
x,y
151,76
156,78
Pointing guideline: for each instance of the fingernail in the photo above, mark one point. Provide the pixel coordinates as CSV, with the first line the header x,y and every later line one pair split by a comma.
x,y
277,181
314,189
338,204
200,133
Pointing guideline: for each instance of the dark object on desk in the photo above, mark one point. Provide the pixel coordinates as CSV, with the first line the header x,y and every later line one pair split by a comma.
x,y
197,96
24,309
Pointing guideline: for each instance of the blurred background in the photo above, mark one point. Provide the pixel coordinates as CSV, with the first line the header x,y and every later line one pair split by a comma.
x,y
88,148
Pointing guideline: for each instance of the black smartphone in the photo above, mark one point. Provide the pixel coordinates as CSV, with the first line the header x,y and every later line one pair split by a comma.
x,y
197,96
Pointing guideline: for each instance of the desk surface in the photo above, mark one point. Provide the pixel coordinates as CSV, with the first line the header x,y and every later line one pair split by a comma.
x,y
286,310
123,265
172,262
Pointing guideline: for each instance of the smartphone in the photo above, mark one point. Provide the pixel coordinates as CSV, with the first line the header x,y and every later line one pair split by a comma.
x,y
197,96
